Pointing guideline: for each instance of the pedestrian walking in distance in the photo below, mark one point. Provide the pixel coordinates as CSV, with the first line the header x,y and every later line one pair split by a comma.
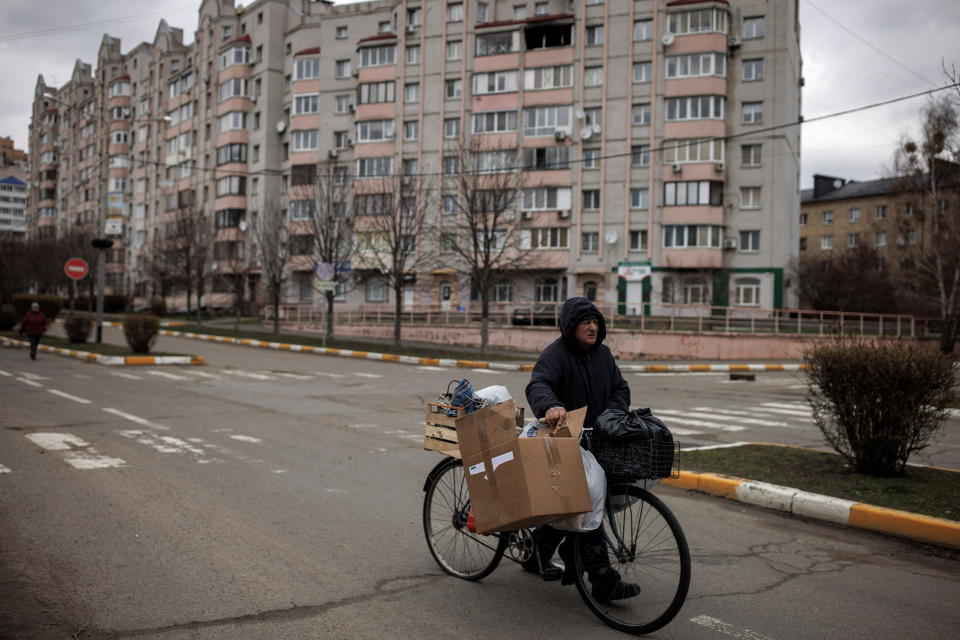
x,y
33,325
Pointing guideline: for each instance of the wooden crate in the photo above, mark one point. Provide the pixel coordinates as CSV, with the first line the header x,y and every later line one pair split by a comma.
x,y
439,433
437,414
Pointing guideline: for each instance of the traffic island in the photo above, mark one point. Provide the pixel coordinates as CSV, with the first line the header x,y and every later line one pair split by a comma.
x,y
109,355
920,506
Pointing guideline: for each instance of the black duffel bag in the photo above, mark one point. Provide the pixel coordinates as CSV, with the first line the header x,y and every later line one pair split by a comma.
x,y
634,444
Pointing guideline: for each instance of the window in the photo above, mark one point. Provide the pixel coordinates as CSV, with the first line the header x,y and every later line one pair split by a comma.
x,y
854,215
307,69
591,199
231,186
693,150
375,130
594,35
544,121
752,112
640,155
803,244
376,289
455,12
591,158
519,12
749,197
494,82
451,128
308,103
373,204
376,92
413,54
228,218
546,290
341,32
853,240
750,241
451,165
541,8
826,243
377,56
233,120
341,139
549,77
753,27
375,167
494,161
454,50
546,199
641,114
589,242
753,69
409,166
482,12
452,89
803,219
908,209
750,155
694,193
880,239
384,26
494,121
231,153
880,212
696,64
639,198
342,68
638,240
826,218
411,130
413,16
548,238
643,30
411,92
685,236
448,204
546,158
301,245
698,21
593,77
342,103
641,72
237,87
492,44
305,140
746,292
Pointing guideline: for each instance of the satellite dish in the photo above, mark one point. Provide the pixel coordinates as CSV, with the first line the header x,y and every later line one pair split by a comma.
x,y
281,126
243,225
667,39
215,266
596,128
837,183
581,114
585,133
611,237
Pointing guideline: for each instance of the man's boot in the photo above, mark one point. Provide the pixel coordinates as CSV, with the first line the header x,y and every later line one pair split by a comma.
x,y
545,543
605,581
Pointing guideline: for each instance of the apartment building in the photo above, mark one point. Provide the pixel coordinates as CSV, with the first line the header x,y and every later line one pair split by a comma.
x,y
644,132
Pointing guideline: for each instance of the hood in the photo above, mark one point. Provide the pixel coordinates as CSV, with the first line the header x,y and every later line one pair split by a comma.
x,y
573,311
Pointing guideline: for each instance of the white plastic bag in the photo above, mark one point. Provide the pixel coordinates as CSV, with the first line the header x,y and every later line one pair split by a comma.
x,y
494,394
530,429
597,486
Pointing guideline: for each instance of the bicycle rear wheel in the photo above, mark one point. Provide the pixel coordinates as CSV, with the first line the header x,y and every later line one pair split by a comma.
x,y
645,546
446,507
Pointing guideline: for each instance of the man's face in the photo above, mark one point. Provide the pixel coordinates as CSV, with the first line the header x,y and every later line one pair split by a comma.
x,y
586,333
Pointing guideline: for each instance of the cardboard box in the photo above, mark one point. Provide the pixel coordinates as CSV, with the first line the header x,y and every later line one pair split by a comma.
x,y
521,482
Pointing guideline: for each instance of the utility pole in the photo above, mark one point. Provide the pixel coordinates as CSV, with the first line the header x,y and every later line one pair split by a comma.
x,y
101,244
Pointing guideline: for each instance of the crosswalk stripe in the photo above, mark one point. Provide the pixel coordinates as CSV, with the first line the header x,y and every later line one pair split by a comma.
x,y
796,406
204,374
701,423
367,375
137,419
246,374
129,376
327,374
76,452
164,374
4,373
4,469
68,396
294,376
30,382
745,417
784,412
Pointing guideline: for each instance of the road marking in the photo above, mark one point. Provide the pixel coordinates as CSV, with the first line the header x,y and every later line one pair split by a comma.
x,y
699,423
81,376
795,406
4,373
295,376
247,374
137,419
163,444
728,629
362,426
490,371
171,376
57,441
338,491
78,452
679,373
279,471
329,375
430,368
246,438
30,382
738,416
368,375
32,376
4,469
204,374
125,375
68,396
785,412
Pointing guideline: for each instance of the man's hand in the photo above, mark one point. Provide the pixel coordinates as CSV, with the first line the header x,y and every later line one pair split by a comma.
x,y
556,416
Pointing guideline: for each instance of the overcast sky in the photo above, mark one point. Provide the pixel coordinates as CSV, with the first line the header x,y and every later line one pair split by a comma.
x,y
841,71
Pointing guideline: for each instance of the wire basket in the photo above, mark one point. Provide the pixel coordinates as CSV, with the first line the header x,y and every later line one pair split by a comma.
x,y
638,460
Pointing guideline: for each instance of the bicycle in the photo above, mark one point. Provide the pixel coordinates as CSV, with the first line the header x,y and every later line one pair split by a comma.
x,y
644,544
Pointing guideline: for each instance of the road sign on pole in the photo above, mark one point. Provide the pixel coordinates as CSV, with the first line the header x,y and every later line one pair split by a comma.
x,y
76,268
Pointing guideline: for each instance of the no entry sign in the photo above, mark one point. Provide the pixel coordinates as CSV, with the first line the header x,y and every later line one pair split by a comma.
x,y
76,268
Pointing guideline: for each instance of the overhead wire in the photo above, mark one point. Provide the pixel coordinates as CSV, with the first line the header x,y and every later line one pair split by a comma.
x,y
11,37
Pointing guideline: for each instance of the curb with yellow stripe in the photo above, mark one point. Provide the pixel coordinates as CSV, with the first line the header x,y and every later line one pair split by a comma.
x,y
892,522
113,361
468,364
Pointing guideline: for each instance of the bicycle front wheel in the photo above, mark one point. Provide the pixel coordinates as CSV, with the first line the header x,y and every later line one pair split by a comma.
x,y
446,507
636,580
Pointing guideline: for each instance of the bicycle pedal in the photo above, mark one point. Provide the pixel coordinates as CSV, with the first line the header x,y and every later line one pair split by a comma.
x,y
550,574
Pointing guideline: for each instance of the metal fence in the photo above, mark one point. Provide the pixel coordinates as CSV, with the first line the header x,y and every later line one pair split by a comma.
x,y
657,317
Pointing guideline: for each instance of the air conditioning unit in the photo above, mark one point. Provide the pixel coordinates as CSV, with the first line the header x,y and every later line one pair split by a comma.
x,y
719,166
411,28
353,108
667,39
355,73
333,154
730,243
527,215
677,168
349,142
734,42
564,213
560,135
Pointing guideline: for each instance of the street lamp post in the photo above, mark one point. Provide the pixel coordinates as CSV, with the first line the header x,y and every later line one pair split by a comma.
x,y
101,244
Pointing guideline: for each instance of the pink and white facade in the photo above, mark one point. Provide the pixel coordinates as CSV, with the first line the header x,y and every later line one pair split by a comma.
x,y
644,127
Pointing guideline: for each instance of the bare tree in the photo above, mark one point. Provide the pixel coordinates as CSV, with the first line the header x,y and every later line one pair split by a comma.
x,y
272,237
188,240
159,267
851,280
929,233
480,231
390,227
329,190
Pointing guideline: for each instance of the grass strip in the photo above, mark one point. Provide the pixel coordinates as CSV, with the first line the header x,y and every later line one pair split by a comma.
x,y
103,349
926,491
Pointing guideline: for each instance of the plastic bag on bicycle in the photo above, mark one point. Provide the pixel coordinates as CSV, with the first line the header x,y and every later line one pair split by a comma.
x,y
597,485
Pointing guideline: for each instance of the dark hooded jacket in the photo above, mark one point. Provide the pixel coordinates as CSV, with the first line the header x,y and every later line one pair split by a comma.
x,y
565,375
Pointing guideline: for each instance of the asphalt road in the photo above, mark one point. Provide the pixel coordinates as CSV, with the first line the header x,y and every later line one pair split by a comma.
x,y
278,495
